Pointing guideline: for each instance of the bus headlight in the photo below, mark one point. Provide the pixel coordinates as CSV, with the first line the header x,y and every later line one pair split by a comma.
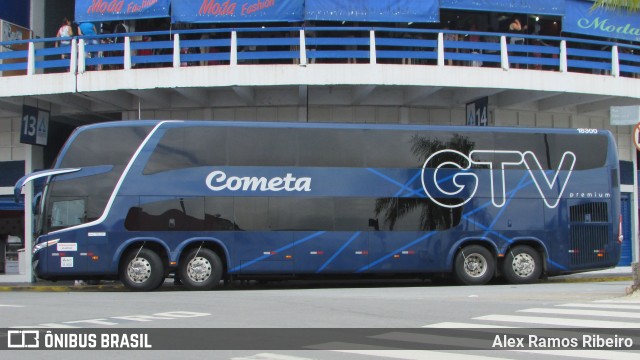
x,y
40,246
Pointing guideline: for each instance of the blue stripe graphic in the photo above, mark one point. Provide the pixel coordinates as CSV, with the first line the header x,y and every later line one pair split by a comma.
x,y
355,236
266,256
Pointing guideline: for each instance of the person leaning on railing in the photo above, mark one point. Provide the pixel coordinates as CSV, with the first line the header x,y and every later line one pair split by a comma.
x,y
66,32
88,29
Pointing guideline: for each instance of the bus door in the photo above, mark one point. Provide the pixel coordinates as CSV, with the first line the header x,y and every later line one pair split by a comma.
x,y
69,254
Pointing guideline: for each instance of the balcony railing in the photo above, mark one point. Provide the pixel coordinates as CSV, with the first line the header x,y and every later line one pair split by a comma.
x,y
312,45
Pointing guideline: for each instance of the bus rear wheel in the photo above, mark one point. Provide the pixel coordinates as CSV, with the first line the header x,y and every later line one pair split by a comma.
x,y
522,265
142,270
200,269
474,265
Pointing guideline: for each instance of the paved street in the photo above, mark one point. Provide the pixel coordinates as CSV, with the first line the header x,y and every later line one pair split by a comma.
x,y
387,305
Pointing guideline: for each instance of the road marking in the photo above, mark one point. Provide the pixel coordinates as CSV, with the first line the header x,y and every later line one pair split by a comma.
x,y
628,315
586,354
560,321
93,322
633,300
118,320
270,356
45,325
603,306
458,325
416,354
432,339
15,306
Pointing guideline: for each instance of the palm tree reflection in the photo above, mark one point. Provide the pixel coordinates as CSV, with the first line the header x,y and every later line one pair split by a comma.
x,y
401,213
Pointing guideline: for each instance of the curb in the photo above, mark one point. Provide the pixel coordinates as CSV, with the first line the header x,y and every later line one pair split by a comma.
x,y
589,279
61,288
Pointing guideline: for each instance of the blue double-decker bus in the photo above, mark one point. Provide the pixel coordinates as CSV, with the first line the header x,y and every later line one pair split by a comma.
x,y
212,201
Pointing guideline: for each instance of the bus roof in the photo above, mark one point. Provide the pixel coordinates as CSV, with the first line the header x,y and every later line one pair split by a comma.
x,y
314,125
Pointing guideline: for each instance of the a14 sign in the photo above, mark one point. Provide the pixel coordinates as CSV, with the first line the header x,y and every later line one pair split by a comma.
x,y
35,126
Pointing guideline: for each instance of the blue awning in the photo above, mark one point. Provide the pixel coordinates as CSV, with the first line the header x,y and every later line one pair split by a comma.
x,y
211,11
536,7
10,205
425,11
618,24
10,172
111,10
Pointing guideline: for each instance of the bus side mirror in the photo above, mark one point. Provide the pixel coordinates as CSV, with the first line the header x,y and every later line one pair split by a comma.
x,y
36,204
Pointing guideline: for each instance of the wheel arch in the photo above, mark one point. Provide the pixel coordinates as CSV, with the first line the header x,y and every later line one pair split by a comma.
x,y
212,244
481,241
155,244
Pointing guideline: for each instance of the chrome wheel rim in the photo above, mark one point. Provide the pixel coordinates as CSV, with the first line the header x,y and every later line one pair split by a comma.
x,y
139,270
475,265
199,269
523,265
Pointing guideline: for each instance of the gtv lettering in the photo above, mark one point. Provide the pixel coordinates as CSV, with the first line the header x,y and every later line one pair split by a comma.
x,y
218,181
497,162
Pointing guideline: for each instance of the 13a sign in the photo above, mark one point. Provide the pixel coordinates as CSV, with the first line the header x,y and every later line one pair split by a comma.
x,y
35,126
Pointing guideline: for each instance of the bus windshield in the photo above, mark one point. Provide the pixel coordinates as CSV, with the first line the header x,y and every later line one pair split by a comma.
x,y
102,154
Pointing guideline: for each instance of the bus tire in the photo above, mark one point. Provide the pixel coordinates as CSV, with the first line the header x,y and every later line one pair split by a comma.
x,y
522,265
142,270
474,265
200,269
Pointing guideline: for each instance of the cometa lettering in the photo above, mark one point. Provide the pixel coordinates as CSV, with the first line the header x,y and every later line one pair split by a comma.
x,y
219,181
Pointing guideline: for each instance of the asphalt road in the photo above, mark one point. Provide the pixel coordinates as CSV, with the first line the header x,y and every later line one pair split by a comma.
x,y
384,306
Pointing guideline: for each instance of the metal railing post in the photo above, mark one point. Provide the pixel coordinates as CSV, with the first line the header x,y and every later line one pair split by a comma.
x,y
563,56
440,53
504,53
615,61
127,53
73,57
82,61
176,50
233,57
373,58
303,49
31,59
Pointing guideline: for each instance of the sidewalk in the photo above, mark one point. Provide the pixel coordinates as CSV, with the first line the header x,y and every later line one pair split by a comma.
x,y
622,273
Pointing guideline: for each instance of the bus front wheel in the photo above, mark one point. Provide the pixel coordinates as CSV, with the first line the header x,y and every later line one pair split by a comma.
x,y
200,269
142,270
522,265
474,265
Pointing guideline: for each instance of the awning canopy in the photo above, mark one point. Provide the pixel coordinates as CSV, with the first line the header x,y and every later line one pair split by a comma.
x,y
536,7
10,172
577,14
618,24
425,11
220,11
112,10
10,205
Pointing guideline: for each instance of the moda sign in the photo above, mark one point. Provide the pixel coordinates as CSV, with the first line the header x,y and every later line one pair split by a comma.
x,y
580,18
